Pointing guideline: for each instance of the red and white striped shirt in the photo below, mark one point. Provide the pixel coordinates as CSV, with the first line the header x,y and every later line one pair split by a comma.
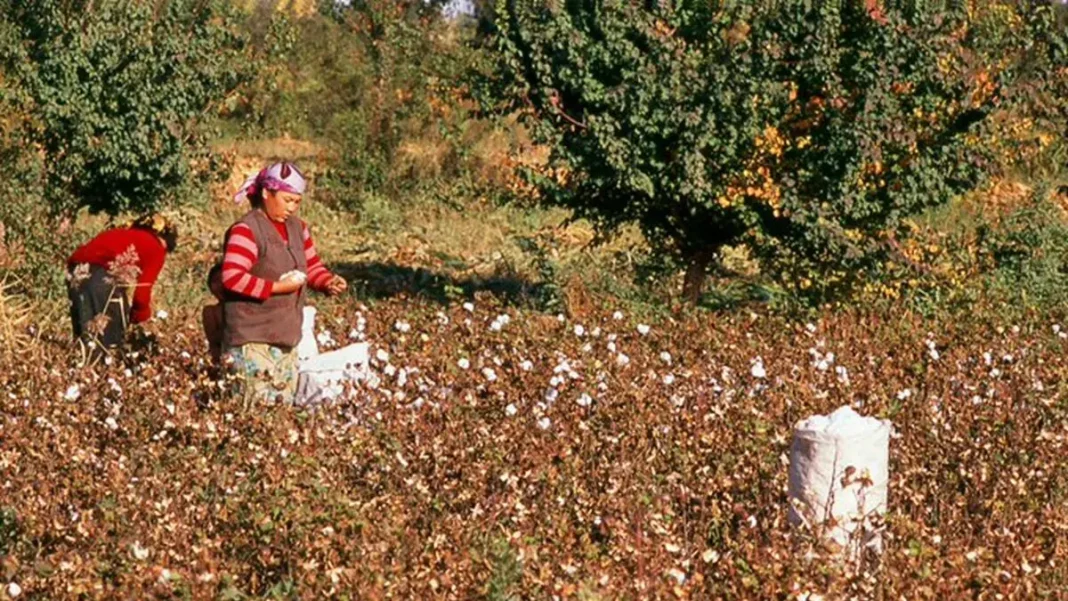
x,y
241,253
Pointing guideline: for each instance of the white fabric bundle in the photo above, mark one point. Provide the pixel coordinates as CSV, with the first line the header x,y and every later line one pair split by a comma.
x,y
307,347
296,275
323,375
839,476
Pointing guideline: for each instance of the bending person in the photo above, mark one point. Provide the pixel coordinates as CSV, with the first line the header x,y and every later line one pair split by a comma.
x,y
111,278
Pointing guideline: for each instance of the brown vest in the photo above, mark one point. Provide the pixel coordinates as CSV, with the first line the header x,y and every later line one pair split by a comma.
x,y
277,320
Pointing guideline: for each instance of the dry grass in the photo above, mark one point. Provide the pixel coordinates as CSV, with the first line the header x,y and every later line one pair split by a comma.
x,y
15,319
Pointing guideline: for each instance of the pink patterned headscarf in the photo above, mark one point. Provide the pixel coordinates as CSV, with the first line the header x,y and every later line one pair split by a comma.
x,y
279,177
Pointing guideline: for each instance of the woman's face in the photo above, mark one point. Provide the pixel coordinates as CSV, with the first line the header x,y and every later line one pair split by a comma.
x,y
280,205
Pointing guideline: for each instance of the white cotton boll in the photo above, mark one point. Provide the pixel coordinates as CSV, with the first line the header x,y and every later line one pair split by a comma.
x,y
587,347
161,314
556,381
463,363
111,423
544,423
611,346
510,410
551,395
643,329
489,374
382,355
811,328
469,307
526,365
622,360
843,374
669,379
1056,328
355,334
618,315
389,370
72,393
665,357
579,330
934,354
560,317
584,400
496,326
596,332
904,394
14,590
757,370
140,553
823,365
402,326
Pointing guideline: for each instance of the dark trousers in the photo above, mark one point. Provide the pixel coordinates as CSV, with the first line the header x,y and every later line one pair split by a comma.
x,y
99,310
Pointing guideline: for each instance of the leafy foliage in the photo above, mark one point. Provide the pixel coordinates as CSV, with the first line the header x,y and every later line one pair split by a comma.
x,y
116,92
808,130
377,82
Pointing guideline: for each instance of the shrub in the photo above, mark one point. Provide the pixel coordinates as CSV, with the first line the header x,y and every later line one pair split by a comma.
x,y
808,131
116,92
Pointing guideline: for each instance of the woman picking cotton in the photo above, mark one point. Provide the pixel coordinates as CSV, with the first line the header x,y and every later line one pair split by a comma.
x,y
111,279
269,259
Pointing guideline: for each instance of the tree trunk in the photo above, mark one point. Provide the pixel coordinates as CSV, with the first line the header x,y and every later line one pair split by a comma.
x,y
696,272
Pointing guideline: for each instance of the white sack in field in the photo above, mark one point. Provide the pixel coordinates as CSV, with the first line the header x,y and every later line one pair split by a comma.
x,y
839,476
307,347
323,375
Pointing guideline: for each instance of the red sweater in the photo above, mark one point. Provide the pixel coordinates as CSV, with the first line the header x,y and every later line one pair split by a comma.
x,y
241,253
109,244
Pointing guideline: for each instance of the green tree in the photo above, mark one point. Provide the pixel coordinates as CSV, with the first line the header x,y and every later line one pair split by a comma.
x,y
808,130
115,92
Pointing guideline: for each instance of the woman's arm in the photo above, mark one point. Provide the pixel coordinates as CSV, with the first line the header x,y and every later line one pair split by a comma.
x,y
151,256
239,256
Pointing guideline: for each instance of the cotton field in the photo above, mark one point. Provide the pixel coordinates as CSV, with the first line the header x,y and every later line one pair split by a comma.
x,y
501,454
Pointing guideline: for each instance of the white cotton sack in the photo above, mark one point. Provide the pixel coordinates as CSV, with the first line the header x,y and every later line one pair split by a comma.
x,y
323,377
307,347
839,476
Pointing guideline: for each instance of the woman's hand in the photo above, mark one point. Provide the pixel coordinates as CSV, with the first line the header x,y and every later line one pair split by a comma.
x,y
336,285
287,286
